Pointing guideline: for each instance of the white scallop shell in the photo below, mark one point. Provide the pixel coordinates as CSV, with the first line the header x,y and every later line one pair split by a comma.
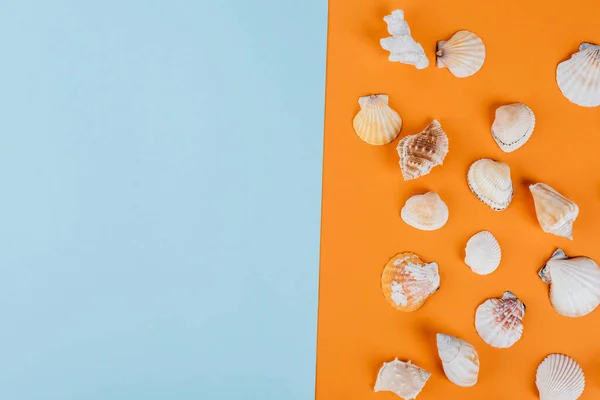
x,y
402,47
559,377
376,123
406,380
463,54
426,212
578,78
513,126
499,321
490,181
459,360
483,253
555,212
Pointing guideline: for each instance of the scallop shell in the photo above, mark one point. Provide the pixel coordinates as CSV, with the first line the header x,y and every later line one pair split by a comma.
x,y
578,78
559,377
404,379
483,253
402,47
459,360
463,54
574,284
407,281
426,212
421,152
377,123
555,212
490,181
513,126
499,322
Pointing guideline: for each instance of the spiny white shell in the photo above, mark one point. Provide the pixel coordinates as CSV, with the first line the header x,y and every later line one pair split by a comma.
x,y
555,212
402,47
406,380
574,284
426,212
579,77
483,253
490,181
459,360
559,377
499,322
513,126
376,123
463,54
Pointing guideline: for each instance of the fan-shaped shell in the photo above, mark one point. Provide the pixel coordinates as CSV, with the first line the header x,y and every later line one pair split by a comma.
x,y
459,360
402,47
407,281
483,253
574,284
555,212
513,126
463,54
490,181
421,152
376,123
404,379
578,78
426,212
559,377
499,322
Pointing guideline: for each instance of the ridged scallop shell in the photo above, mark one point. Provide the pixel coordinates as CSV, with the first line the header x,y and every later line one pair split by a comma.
x,y
463,54
404,379
426,212
407,281
421,152
490,181
555,212
402,47
578,78
483,253
559,377
499,322
574,284
459,360
376,123
513,126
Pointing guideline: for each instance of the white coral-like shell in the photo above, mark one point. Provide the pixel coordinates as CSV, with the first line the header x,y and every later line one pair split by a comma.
x,y
555,212
578,78
459,360
376,123
402,47
421,152
490,181
559,377
574,284
483,253
499,322
513,126
426,212
404,379
463,54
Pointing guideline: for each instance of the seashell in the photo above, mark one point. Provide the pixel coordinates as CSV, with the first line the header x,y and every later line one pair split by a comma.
x,y
463,54
407,281
490,181
513,126
574,284
377,123
426,212
459,360
404,379
402,47
499,321
421,152
559,377
578,78
555,212
483,253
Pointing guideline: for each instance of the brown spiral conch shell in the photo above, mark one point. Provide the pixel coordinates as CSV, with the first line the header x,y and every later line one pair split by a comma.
x,y
421,152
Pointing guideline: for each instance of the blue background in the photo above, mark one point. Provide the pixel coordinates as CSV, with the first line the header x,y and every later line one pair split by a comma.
x,y
160,174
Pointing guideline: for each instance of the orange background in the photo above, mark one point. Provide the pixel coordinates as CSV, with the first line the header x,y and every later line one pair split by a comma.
x,y
363,192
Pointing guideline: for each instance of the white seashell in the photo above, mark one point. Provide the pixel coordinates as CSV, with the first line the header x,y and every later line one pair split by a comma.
x,y
463,54
459,360
499,322
402,47
406,380
574,284
513,126
376,123
483,253
426,212
490,181
559,377
555,212
578,78
421,152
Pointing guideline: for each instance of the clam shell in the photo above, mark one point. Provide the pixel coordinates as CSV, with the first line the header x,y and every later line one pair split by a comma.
x,y
483,253
559,377
555,212
490,181
421,152
376,123
404,379
402,47
459,360
578,78
499,322
513,126
426,212
463,54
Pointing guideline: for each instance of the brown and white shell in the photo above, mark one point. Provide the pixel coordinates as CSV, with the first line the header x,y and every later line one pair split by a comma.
x,y
421,152
499,321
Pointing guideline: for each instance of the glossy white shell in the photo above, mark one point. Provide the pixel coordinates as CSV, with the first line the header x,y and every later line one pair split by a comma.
x,y
483,253
555,212
559,377
426,212
376,123
490,181
499,322
579,77
459,360
406,380
402,47
513,126
463,54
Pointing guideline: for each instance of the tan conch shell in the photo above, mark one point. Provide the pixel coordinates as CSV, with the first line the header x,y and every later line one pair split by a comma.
x,y
426,212
376,123
559,377
490,181
402,47
483,253
407,281
459,360
421,152
555,212
404,379
574,284
578,78
463,54
499,322
513,126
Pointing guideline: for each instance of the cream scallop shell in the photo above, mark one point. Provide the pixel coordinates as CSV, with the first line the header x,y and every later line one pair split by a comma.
x,y
404,379
377,123
421,152
483,253
555,212
459,360
463,54
559,377
490,181
426,212
578,78
499,321
402,47
513,126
